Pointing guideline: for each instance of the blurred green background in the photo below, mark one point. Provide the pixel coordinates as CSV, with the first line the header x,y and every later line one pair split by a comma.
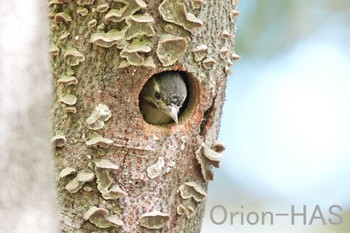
x,y
286,120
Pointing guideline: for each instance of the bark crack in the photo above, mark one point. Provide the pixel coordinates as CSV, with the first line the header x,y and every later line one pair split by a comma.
x,y
207,118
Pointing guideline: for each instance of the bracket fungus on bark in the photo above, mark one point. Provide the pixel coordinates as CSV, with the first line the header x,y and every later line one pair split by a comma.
x,y
73,56
190,212
200,52
207,157
154,220
184,140
132,6
114,15
105,181
226,35
99,141
192,189
218,147
174,11
103,7
209,62
54,2
54,50
70,109
62,17
106,164
84,177
85,2
170,48
67,171
235,57
77,183
139,46
139,25
155,170
64,37
82,11
59,140
98,117
68,99
67,80
132,53
92,23
197,4
108,39
223,52
182,210
100,217
234,14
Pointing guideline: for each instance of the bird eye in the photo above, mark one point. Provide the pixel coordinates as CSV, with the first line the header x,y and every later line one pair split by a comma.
x,y
157,95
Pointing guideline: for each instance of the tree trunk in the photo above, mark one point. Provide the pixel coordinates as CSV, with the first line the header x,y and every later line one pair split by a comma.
x,y
118,173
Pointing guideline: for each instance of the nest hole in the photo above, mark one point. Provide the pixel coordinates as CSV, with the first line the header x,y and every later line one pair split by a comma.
x,y
164,90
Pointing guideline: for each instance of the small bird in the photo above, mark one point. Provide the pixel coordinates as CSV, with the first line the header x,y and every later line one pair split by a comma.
x,y
162,98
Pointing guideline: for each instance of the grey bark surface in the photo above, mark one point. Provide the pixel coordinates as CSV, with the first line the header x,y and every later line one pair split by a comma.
x,y
118,173
27,187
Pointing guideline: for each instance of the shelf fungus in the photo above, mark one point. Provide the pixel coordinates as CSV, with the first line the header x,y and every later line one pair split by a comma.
x,y
82,11
154,220
233,14
132,53
53,3
226,35
155,170
184,140
200,52
70,109
174,11
209,62
67,80
92,23
235,57
105,185
103,7
77,183
106,164
68,99
182,210
62,17
64,37
99,141
207,157
100,217
54,50
197,4
223,52
98,117
194,190
131,7
218,147
139,25
73,57
67,171
85,2
108,39
170,48
59,140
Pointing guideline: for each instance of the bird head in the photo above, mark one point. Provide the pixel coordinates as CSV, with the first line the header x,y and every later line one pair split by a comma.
x,y
162,98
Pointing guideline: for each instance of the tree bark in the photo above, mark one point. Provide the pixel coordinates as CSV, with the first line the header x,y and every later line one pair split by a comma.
x,y
116,172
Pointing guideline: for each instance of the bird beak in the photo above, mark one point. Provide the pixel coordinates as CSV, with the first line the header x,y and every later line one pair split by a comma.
x,y
173,113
